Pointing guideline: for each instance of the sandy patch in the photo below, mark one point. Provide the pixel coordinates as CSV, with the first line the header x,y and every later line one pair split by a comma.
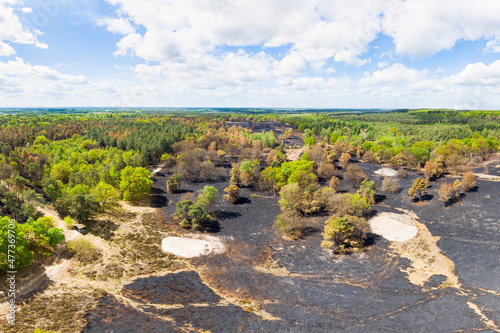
x,y
386,172
294,154
192,246
413,241
483,176
393,227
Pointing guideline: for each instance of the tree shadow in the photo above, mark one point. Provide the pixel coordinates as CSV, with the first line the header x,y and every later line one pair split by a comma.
x,y
156,190
474,189
308,231
372,239
225,215
380,198
243,201
212,227
158,201
426,197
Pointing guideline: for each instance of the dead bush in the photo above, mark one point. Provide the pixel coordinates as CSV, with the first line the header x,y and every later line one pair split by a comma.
x,y
390,185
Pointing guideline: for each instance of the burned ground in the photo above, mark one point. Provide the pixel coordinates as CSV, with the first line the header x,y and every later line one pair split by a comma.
x,y
265,283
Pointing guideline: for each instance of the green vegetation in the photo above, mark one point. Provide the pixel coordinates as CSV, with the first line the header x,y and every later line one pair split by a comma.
x,y
34,239
174,183
190,214
84,250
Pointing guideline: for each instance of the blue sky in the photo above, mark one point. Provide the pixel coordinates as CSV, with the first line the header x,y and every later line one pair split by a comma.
x,y
259,53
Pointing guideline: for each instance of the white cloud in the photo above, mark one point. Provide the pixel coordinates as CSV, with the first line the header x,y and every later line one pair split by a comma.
x,y
381,64
24,84
492,46
119,25
421,28
478,74
396,74
6,49
12,31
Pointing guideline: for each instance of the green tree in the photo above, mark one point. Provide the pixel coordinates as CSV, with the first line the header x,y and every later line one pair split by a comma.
x,y
135,183
174,183
105,194
190,214
368,190
52,188
344,232
61,171
206,197
248,170
83,206
35,238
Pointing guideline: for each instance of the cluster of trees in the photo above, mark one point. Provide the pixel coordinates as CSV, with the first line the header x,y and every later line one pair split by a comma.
x,y
33,239
78,176
408,139
195,213
450,192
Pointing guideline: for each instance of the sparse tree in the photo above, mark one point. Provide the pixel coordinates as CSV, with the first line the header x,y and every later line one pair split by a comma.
x,y
206,197
418,189
449,192
469,181
368,190
432,169
354,173
334,183
233,194
344,232
344,160
174,183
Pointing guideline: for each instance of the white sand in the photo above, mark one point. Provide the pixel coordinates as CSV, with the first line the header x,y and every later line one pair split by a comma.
x,y
386,172
192,246
393,227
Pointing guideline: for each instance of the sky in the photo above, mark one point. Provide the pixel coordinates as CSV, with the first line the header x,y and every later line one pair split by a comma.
x,y
250,53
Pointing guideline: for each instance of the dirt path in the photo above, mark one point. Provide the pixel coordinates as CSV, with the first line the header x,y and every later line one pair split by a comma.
x,y
57,271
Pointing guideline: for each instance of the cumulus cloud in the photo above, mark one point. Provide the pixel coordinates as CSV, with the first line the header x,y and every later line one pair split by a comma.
x,y
12,31
421,28
492,46
42,85
117,25
479,74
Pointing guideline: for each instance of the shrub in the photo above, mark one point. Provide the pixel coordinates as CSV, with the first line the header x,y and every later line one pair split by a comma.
x,y
174,183
344,160
290,224
84,250
368,190
334,183
344,232
68,221
390,185
206,197
418,188
233,194
354,173
402,173
469,181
